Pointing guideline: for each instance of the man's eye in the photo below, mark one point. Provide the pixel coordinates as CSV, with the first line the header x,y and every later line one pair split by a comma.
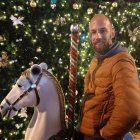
x,y
102,31
19,86
93,32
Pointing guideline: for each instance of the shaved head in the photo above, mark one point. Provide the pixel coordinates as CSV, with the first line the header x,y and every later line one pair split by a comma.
x,y
101,18
101,33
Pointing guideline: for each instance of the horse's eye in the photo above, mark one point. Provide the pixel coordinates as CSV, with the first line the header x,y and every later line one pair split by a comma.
x,y
19,85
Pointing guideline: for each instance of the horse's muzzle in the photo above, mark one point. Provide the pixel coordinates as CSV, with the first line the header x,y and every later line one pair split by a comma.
x,y
3,110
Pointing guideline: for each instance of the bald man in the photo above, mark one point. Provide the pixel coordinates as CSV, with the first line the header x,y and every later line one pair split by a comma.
x,y
111,102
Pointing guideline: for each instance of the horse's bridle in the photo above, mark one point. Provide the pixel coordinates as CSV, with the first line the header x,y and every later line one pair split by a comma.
x,y
33,86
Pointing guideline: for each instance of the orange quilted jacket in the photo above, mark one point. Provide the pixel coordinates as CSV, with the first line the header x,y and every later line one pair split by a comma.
x,y
115,106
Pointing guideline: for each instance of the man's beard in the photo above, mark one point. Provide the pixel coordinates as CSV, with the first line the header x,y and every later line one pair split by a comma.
x,y
100,47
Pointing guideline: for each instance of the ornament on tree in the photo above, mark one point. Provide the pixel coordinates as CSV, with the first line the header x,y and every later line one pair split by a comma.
x,y
58,36
31,63
33,3
60,61
76,6
133,34
36,58
4,60
66,67
17,126
38,49
89,11
59,20
56,22
19,8
19,40
2,38
124,19
23,112
17,21
45,31
114,4
53,1
53,4
62,20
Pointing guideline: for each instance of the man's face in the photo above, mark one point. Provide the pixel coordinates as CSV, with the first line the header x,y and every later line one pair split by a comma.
x,y
101,34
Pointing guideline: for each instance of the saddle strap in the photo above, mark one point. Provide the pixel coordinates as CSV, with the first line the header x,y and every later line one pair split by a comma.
x,y
61,135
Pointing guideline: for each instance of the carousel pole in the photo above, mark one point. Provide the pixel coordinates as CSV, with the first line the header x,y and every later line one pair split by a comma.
x,y
72,77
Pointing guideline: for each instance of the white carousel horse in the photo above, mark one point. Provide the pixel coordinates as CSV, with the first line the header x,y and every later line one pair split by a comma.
x,y
38,88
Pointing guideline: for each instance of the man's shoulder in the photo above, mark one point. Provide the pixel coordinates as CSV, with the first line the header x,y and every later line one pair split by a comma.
x,y
122,56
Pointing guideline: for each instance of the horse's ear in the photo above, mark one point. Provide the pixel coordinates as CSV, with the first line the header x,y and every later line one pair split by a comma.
x,y
43,65
35,69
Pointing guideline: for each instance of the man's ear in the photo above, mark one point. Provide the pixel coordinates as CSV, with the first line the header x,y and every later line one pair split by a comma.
x,y
113,32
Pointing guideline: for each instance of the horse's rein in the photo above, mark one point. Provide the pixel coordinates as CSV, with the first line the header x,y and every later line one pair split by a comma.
x,y
33,86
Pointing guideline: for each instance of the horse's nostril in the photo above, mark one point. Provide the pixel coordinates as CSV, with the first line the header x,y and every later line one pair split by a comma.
x,y
1,107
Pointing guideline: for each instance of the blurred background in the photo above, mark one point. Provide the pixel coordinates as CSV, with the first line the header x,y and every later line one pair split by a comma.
x,y
43,35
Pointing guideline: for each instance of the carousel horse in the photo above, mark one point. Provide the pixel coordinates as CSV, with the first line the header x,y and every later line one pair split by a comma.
x,y
38,88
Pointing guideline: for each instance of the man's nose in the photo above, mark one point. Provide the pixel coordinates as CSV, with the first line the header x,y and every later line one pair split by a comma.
x,y
98,35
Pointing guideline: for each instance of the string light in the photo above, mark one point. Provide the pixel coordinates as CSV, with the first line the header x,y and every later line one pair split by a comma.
x,y
0,131
2,3
50,21
43,26
76,6
89,11
44,22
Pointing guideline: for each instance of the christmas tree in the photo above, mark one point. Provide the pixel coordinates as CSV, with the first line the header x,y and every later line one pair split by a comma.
x,y
39,31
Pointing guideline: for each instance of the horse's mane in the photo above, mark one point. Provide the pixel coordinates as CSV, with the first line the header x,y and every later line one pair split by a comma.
x,y
26,73
61,97
60,93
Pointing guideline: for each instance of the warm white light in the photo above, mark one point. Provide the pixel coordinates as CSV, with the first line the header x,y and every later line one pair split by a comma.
x,y
0,131
89,11
50,20
44,22
34,40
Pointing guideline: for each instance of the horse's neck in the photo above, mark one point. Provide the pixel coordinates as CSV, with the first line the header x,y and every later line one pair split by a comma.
x,y
46,119
43,125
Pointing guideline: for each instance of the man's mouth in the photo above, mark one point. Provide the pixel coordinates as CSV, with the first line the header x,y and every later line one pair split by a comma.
x,y
98,43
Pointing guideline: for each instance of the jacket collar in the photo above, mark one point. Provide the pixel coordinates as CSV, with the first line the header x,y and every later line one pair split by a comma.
x,y
113,49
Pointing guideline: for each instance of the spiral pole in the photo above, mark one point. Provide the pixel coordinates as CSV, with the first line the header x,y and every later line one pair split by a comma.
x,y
72,76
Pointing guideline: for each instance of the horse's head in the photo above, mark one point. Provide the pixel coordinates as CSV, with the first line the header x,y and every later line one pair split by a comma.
x,y
38,88
24,92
